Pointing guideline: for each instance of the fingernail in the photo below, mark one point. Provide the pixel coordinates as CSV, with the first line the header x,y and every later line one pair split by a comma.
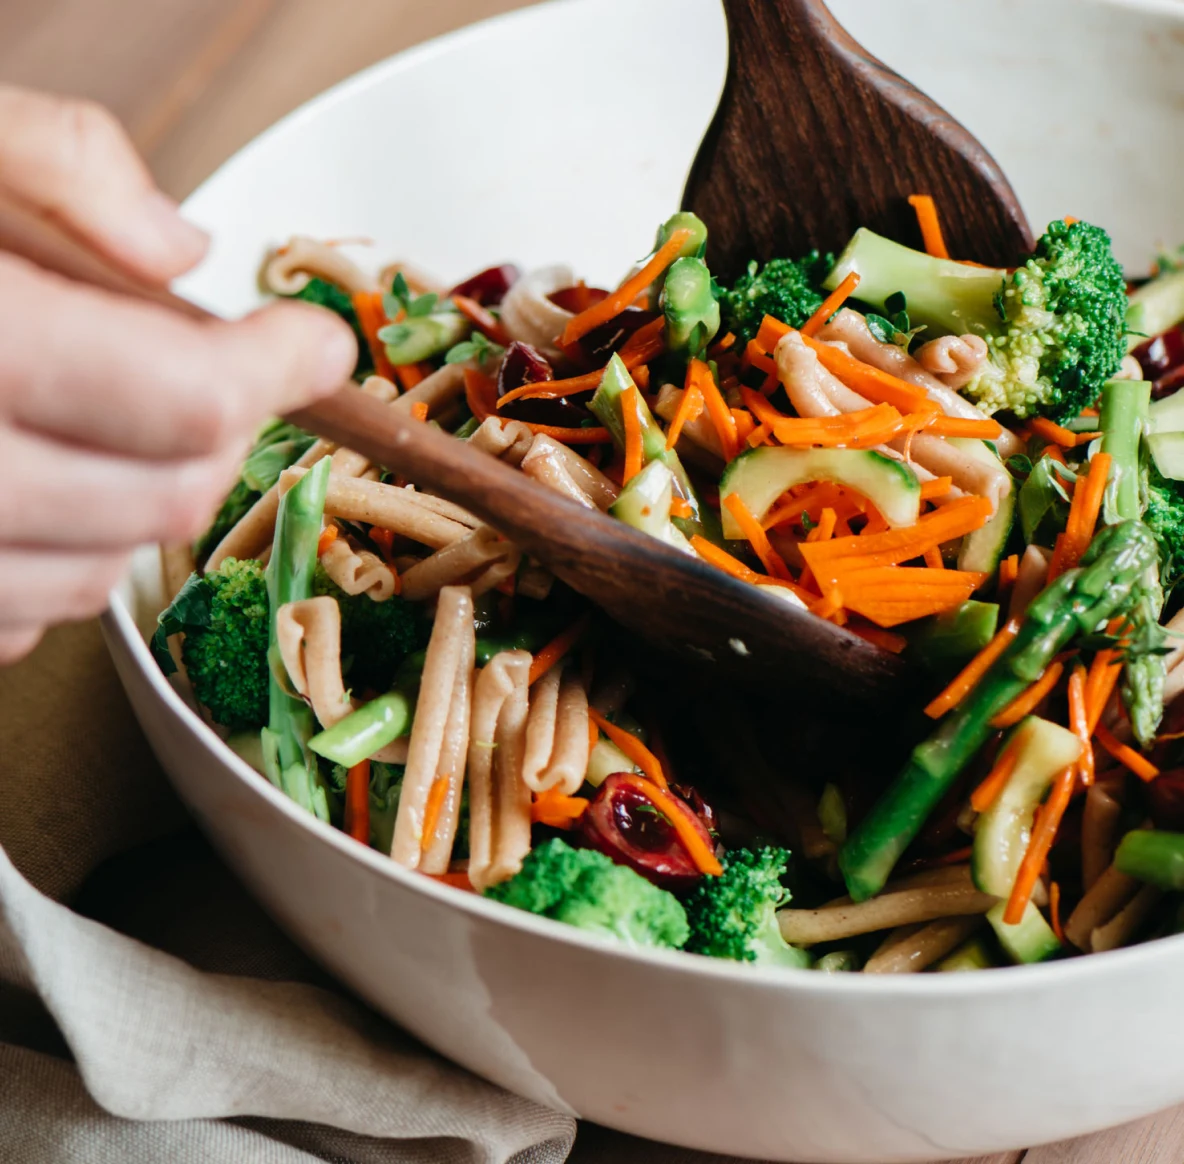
x,y
163,234
338,357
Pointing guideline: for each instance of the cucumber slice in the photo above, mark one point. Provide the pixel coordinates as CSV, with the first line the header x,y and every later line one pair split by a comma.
x,y
982,549
1155,307
762,475
947,641
1166,415
645,504
973,954
1167,450
1030,940
1001,833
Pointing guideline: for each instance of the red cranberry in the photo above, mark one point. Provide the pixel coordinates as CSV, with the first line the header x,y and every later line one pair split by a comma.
x,y
623,824
524,364
578,298
1162,360
600,343
488,287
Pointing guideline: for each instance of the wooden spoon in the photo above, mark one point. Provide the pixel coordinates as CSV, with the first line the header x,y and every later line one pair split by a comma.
x,y
677,602
814,138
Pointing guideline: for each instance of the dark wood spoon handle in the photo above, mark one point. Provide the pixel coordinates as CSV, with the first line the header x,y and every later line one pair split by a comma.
x,y
814,137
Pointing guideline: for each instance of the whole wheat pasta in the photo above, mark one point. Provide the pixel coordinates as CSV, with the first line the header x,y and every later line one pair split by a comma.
x,y
309,636
1108,894
482,559
586,475
417,281
807,927
289,269
436,390
547,469
447,650
499,800
528,314
454,754
945,459
1029,580
508,440
812,389
394,753
922,948
386,506
445,508
358,571
698,433
1099,834
557,733
534,581
953,359
1125,924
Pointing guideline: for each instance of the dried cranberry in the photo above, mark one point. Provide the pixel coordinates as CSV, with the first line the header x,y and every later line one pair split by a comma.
x,y
1166,796
578,298
1162,361
526,365
623,824
488,287
600,343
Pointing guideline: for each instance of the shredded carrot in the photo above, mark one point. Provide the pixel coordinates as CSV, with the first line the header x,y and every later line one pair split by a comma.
x,y
1055,434
482,319
878,387
593,731
645,344
884,639
1069,220
957,426
825,529
1053,453
864,428
456,880
1079,724
637,752
831,304
745,425
384,539
690,407
327,538
721,345
419,410
758,539
641,377
572,436
815,497
933,559
891,595
722,560
930,225
553,389
554,809
1044,832
1099,685
938,487
1009,570
408,375
357,802
1084,510
1027,701
995,781
965,681
630,404
876,524
830,607
1054,910
754,357
372,319
431,809
557,648
692,840
680,507
480,394
1125,755
721,419
612,306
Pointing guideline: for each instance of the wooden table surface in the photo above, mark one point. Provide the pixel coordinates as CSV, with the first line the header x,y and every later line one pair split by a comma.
x,y
195,79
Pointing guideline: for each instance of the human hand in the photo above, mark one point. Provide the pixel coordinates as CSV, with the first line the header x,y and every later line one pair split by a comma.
x,y
120,423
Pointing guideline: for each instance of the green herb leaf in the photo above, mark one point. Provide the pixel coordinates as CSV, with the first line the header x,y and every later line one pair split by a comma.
x,y
1019,465
189,610
423,305
394,333
883,329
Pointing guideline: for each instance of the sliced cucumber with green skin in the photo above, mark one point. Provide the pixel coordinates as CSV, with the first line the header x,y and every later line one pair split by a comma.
x,y
973,954
421,337
982,549
644,503
1155,307
1001,834
949,640
1030,940
1167,450
1166,415
760,476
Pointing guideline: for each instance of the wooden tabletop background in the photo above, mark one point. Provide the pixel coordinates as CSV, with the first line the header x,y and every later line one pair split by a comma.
x,y
195,79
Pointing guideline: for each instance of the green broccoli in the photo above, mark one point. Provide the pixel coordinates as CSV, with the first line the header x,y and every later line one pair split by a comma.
x,y
735,915
1164,516
223,615
584,888
786,289
325,294
375,636
1055,326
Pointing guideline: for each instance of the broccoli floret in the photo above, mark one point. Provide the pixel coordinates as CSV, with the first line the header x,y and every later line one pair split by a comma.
x,y
735,915
1164,516
786,289
1055,326
584,888
375,636
223,615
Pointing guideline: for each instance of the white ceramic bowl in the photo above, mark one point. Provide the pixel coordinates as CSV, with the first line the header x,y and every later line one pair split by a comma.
x,y
590,111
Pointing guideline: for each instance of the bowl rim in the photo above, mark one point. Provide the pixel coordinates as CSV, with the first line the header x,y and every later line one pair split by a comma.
x,y
119,622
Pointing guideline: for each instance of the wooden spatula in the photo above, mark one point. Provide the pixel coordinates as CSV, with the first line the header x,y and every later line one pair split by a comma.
x,y
814,138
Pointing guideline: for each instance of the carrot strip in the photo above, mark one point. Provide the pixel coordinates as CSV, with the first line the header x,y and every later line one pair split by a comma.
x,y
1054,910
882,638
933,559
630,403
1125,755
690,407
956,426
965,681
721,345
1084,510
1103,675
456,880
1053,453
1027,701
938,487
572,436
930,225
636,751
327,538
480,394
1044,832
754,357
721,419
645,344
1079,724
891,595
372,319
758,539
554,809
1053,433
612,306
556,649
419,410
1009,570
831,304
722,560
995,781
593,734
825,529
680,507
697,848
745,425
482,319
554,389
431,808
860,429
357,802
383,539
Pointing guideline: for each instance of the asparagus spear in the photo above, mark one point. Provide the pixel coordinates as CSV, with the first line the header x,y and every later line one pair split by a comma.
x,y
1154,857
1078,602
286,757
